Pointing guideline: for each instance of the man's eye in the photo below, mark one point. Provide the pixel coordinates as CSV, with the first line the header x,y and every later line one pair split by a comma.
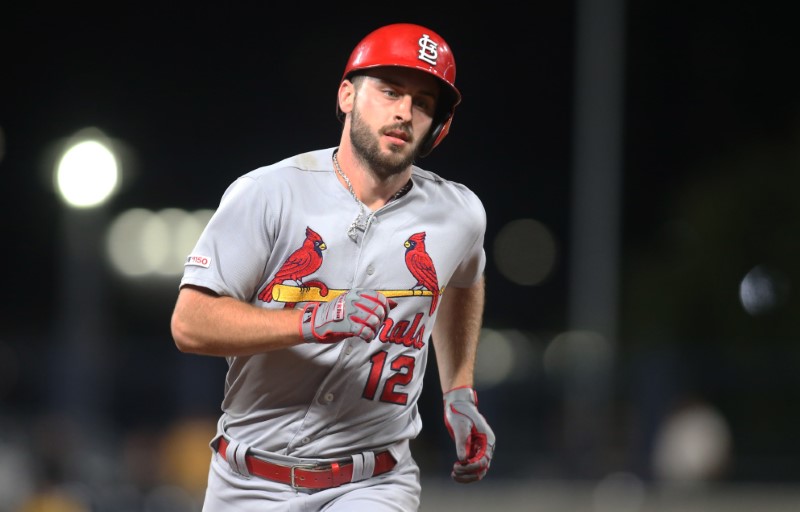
x,y
425,105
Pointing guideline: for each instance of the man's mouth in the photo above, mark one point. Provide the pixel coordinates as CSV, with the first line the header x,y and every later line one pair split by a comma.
x,y
398,134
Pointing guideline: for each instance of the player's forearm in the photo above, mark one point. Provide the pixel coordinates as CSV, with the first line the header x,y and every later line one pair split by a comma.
x,y
207,324
456,333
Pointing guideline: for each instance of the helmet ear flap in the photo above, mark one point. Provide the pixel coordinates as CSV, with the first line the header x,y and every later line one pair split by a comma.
x,y
441,121
427,146
438,132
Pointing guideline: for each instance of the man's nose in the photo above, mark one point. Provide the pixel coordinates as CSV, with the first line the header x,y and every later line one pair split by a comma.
x,y
404,107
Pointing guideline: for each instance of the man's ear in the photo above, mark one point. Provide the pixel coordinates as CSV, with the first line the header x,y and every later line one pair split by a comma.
x,y
347,94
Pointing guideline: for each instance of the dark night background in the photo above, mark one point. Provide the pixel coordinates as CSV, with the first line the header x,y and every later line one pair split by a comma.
x,y
201,93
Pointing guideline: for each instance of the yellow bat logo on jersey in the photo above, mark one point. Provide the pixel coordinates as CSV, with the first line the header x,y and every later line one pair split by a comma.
x,y
294,294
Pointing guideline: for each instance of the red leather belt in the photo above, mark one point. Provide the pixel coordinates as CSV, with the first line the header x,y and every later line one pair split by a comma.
x,y
309,476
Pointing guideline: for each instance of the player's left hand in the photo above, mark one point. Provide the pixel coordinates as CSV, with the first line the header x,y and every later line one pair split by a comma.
x,y
472,434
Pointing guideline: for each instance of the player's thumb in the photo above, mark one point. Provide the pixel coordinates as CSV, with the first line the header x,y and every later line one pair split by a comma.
x,y
463,445
460,431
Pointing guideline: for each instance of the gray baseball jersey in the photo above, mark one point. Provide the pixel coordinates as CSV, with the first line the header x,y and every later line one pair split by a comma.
x,y
280,239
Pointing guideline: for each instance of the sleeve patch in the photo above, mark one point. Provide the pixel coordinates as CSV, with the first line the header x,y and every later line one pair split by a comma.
x,y
197,261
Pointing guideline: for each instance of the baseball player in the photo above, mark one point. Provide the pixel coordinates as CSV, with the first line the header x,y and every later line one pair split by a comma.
x,y
323,279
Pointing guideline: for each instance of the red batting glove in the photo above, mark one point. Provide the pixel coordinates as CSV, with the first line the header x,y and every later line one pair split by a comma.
x,y
355,313
468,428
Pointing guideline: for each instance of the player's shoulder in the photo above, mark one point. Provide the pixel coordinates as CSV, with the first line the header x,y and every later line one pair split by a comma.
x,y
434,185
314,161
277,179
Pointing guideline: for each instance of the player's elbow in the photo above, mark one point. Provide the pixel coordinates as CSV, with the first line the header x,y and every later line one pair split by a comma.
x,y
188,323
182,335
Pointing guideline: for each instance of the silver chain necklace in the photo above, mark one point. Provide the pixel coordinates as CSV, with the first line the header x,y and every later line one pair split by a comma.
x,y
362,221
359,223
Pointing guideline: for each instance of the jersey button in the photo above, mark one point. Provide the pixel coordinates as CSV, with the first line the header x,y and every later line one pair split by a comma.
x,y
305,440
329,397
370,270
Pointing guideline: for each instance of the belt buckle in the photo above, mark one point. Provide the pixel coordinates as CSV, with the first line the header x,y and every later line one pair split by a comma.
x,y
300,466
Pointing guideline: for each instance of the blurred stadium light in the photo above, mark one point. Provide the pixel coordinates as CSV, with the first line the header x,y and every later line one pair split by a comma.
x,y
141,242
525,252
505,356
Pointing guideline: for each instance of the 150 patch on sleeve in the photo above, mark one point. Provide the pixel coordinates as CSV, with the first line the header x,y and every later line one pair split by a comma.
x,y
197,261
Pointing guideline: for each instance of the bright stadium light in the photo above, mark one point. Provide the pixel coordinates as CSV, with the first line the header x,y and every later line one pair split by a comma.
x,y
87,174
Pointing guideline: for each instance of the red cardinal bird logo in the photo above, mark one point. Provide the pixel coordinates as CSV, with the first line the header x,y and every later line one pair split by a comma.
x,y
301,263
420,265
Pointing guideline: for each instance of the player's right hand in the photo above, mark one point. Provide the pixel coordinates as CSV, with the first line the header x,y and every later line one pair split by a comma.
x,y
355,313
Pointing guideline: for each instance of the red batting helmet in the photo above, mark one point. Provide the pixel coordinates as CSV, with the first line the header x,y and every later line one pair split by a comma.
x,y
412,46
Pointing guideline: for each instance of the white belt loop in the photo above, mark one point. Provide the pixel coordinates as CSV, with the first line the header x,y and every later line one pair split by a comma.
x,y
235,455
363,466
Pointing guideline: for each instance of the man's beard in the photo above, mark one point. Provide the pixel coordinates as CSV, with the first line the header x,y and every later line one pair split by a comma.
x,y
367,149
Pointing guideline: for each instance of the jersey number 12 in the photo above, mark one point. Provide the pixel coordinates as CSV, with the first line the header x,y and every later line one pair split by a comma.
x,y
400,370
